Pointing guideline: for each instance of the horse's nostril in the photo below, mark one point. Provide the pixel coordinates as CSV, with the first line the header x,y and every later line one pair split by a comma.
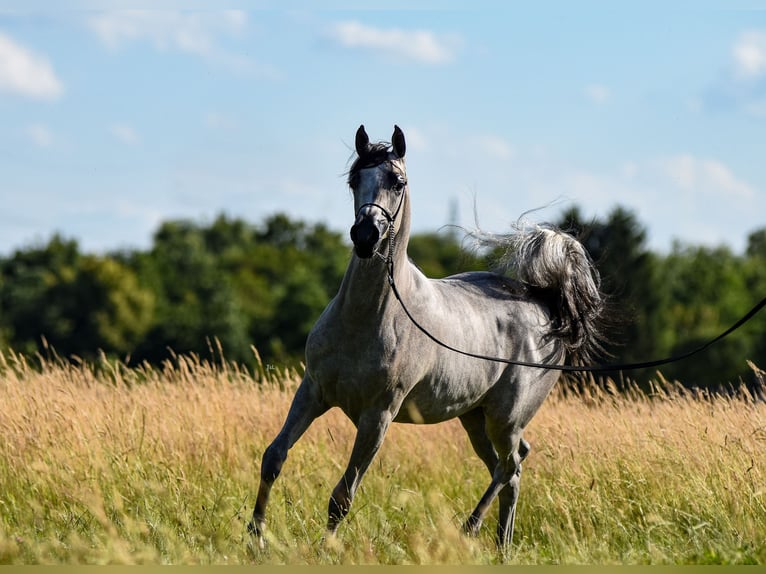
x,y
365,236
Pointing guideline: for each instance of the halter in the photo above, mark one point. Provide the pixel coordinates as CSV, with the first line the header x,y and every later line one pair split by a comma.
x,y
389,259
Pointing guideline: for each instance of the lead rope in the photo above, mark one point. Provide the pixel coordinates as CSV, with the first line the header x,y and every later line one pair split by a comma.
x,y
389,260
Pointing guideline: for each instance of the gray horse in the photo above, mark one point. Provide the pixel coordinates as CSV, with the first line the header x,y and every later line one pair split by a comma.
x,y
366,356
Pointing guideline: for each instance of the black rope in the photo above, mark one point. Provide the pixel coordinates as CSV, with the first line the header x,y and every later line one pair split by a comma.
x,y
389,260
571,368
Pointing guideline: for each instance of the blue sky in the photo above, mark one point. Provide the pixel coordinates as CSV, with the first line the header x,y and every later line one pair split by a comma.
x,y
114,119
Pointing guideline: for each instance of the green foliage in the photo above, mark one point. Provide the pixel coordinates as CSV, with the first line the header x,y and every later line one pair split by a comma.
x,y
118,310
631,278
196,303
667,305
708,293
440,255
76,303
240,285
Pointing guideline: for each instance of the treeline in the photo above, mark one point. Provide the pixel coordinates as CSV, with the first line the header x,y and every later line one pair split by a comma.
x,y
262,286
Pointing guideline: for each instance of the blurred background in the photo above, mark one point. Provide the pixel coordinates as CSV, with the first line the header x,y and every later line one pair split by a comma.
x,y
174,177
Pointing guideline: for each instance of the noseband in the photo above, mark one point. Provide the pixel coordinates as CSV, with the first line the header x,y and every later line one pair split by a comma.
x,y
391,221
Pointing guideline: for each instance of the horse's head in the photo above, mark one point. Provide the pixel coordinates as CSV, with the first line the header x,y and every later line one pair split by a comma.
x,y
379,182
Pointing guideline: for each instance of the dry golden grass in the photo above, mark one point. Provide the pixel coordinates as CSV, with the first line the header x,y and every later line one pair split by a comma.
x,y
104,464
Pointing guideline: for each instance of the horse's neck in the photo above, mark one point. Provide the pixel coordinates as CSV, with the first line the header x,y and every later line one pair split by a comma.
x,y
365,287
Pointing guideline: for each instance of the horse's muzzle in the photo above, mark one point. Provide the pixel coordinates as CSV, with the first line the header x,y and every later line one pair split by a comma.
x,y
365,236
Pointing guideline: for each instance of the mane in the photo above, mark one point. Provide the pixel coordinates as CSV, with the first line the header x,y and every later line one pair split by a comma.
x,y
376,154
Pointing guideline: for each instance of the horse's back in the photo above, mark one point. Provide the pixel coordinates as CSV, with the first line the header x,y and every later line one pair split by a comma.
x,y
497,294
486,283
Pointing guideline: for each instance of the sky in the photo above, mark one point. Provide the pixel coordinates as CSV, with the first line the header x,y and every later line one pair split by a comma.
x,y
115,118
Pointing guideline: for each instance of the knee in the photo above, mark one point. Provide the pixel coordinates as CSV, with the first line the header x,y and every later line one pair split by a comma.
x,y
271,464
508,468
524,449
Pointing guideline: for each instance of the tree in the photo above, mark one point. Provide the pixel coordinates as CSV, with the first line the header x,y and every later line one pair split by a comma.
x,y
196,304
304,266
708,293
241,284
631,279
756,244
114,311
36,297
266,284
440,255
78,304
755,278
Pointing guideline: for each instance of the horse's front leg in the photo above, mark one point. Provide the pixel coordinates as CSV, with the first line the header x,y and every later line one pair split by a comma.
x,y
306,406
371,429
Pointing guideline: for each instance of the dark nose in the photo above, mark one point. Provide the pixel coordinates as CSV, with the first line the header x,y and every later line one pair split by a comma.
x,y
365,236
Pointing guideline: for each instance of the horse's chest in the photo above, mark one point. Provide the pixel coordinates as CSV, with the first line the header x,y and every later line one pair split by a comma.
x,y
354,372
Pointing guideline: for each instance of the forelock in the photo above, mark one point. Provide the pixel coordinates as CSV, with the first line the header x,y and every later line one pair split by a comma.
x,y
375,155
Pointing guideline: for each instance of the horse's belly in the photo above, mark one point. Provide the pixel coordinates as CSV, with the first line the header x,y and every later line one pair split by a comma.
x,y
430,402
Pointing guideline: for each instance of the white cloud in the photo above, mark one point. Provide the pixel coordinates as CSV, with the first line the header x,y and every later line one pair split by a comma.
x,y
40,135
679,195
26,73
196,33
705,176
187,32
421,46
742,85
598,93
749,54
124,133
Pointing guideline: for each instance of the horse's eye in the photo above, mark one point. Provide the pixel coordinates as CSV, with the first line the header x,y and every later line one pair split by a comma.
x,y
399,183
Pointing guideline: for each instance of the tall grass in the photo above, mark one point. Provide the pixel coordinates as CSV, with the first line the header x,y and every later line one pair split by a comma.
x,y
105,464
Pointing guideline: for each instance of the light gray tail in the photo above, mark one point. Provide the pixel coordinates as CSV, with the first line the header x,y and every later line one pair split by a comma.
x,y
551,259
554,263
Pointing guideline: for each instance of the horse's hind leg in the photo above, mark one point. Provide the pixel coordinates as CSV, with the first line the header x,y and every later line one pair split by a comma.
x,y
505,480
508,498
306,407
473,422
474,521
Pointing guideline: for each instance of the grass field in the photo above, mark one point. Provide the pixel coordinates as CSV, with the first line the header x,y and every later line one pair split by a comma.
x,y
103,464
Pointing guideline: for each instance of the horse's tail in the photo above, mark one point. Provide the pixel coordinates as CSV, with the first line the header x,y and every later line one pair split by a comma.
x,y
555,264
554,261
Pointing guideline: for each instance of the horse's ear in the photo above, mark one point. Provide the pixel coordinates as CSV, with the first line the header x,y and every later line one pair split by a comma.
x,y
362,141
398,141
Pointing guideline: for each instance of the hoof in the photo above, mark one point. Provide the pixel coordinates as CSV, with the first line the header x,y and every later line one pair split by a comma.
x,y
471,526
256,531
330,541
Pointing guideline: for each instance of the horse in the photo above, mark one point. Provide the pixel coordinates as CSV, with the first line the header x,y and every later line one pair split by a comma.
x,y
365,355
